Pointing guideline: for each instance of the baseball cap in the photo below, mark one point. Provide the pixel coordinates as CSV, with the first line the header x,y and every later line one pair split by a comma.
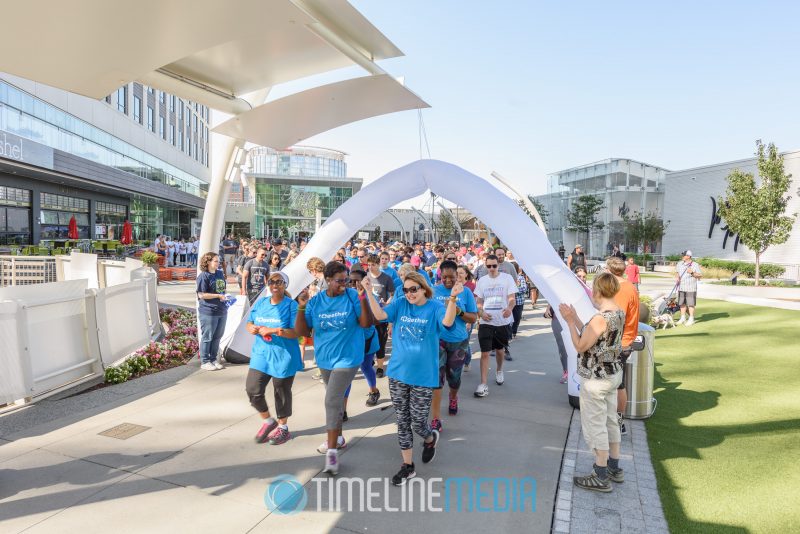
x,y
277,242
578,246
688,253
415,260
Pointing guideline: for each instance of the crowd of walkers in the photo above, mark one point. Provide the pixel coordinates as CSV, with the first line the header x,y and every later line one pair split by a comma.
x,y
426,299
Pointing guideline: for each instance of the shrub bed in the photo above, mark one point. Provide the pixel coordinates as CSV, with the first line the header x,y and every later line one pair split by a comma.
x,y
768,270
179,345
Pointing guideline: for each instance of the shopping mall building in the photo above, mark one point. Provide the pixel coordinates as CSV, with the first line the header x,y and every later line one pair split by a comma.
x,y
139,154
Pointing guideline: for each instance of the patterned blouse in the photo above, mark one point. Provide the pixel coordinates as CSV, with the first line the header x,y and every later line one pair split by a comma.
x,y
522,290
602,359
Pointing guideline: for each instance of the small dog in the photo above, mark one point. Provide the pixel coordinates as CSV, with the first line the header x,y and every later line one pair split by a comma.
x,y
665,319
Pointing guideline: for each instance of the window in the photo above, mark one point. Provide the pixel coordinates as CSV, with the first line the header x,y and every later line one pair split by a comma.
x,y
180,109
180,139
194,123
137,109
122,99
13,196
56,212
150,90
162,127
172,134
172,103
151,124
162,97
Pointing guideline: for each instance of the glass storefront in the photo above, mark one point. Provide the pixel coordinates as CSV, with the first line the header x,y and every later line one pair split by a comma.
x,y
109,219
298,161
150,217
285,209
56,212
15,216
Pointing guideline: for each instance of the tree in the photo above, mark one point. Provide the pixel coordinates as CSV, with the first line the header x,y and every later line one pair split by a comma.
x,y
377,233
445,226
643,229
583,215
543,213
757,212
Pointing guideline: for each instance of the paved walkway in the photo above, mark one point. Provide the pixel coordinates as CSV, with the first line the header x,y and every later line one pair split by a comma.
x,y
195,468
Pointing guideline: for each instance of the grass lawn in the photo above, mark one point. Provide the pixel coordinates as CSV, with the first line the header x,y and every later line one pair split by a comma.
x,y
725,439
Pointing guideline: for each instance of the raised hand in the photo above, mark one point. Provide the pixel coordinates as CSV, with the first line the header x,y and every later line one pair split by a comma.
x,y
366,284
303,297
458,288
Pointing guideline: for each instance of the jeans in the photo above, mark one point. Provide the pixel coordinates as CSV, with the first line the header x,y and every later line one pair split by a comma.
x,y
211,329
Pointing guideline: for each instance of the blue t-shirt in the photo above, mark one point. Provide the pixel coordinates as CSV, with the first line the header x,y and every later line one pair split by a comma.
x,y
211,283
465,301
280,357
338,338
415,342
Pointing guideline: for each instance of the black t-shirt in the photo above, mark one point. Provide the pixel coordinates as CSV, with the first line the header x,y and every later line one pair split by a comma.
x,y
229,246
382,286
257,272
578,260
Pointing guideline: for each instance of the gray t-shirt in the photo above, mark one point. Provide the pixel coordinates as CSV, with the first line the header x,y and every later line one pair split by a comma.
x,y
257,272
382,286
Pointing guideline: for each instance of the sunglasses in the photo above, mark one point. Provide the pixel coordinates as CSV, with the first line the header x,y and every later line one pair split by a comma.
x,y
491,266
412,289
452,258
275,282
340,281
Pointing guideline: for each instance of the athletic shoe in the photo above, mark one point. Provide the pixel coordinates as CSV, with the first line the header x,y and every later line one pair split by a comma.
x,y
279,436
379,372
406,472
466,368
436,424
682,320
264,434
429,449
331,462
453,408
622,429
208,367
508,355
344,417
372,398
564,378
340,444
616,475
593,482
218,365
482,390
499,378
317,375
690,322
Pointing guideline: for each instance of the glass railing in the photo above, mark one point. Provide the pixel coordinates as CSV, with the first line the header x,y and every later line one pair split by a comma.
x,y
31,118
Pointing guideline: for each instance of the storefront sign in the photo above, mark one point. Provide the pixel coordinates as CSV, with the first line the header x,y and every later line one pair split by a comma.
x,y
16,148
716,219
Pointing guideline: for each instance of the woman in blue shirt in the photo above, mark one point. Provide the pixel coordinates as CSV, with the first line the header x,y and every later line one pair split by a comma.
x,y
275,356
337,317
211,310
418,321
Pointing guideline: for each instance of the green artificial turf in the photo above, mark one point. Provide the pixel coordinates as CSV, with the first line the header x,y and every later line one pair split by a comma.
x,y
725,439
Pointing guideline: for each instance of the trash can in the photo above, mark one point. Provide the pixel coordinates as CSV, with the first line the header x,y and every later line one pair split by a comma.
x,y
639,376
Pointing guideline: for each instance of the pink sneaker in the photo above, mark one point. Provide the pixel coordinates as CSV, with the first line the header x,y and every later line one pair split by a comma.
x,y
436,424
279,436
564,378
266,429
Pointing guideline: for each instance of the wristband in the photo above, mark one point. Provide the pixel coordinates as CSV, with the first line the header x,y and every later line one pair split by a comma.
x,y
362,296
301,308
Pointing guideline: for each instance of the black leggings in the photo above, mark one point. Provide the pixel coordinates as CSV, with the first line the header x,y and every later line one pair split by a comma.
x,y
412,404
256,385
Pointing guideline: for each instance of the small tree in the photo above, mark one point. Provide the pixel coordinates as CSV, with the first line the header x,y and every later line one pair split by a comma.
x,y
642,229
445,226
583,215
757,212
543,213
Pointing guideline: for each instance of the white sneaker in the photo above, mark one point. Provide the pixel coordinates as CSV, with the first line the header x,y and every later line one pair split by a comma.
x,y
208,367
683,320
331,462
482,390
499,378
340,444
218,365
690,322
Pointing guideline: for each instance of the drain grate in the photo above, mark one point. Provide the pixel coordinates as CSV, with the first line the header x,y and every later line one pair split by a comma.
x,y
124,431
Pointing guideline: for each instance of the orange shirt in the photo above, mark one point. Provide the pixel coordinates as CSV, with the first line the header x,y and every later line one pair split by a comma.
x,y
628,299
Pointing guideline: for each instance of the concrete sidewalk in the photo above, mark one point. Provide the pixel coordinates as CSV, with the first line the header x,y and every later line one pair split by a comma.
x,y
194,467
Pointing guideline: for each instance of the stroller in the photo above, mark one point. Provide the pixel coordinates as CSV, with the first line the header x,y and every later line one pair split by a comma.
x,y
668,304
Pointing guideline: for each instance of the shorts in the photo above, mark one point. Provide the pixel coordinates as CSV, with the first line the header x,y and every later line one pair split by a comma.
x,y
452,356
687,298
492,337
623,357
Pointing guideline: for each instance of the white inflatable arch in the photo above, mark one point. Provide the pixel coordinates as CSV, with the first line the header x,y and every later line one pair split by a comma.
x,y
518,232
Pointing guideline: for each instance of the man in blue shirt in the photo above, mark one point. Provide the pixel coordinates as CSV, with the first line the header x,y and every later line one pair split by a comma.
x,y
453,343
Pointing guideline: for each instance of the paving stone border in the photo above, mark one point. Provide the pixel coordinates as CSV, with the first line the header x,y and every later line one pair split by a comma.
x,y
633,507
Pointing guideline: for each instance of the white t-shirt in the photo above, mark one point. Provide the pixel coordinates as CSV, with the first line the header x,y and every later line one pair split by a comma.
x,y
495,293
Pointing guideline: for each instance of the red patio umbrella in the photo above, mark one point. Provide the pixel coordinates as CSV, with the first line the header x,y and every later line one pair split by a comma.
x,y
72,233
127,233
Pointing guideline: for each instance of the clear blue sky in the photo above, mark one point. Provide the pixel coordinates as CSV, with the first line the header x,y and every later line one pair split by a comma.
x,y
527,88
